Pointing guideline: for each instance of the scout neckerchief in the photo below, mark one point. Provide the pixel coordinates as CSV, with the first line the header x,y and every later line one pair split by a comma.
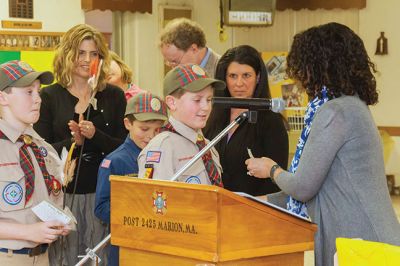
x,y
26,164
293,205
209,163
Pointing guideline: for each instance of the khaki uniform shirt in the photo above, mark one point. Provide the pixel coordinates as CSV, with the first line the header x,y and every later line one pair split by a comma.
x,y
12,182
168,152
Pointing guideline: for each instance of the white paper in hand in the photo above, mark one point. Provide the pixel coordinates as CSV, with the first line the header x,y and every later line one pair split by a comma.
x,y
48,212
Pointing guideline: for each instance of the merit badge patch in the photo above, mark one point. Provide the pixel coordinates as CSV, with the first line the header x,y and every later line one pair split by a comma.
x,y
159,202
155,104
193,180
153,157
12,193
43,151
106,163
149,170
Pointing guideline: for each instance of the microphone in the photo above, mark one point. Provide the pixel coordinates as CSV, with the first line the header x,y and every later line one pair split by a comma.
x,y
276,105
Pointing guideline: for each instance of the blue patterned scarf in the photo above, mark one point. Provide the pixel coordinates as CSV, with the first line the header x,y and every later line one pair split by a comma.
x,y
293,205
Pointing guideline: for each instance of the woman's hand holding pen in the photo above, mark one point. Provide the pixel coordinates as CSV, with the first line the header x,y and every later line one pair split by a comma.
x,y
261,167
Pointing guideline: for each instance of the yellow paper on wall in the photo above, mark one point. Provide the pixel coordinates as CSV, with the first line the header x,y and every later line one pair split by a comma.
x,y
279,83
356,252
39,60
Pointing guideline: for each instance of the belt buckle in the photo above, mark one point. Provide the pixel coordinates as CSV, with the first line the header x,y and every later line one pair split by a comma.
x,y
36,251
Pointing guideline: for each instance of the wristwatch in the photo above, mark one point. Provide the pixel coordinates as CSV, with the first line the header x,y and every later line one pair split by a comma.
x,y
273,169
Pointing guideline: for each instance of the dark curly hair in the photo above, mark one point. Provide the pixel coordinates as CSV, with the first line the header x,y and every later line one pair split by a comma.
x,y
332,55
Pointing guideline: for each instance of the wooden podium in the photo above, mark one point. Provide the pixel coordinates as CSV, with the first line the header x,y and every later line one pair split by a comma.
x,y
170,223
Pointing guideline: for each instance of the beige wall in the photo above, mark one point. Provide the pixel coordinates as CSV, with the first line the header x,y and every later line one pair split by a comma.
x,y
141,30
368,22
383,16
140,33
55,15
100,19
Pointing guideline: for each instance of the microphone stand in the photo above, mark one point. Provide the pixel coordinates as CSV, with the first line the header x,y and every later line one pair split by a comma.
x,y
91,253
238,120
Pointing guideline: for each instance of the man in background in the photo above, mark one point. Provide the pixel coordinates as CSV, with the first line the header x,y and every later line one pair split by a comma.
x,y
183,41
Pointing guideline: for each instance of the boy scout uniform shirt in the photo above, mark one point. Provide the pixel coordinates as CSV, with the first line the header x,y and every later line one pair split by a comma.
x,y
12,182
168,152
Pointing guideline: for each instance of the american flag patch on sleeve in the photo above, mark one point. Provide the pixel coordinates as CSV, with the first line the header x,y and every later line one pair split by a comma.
x,y
106,163
153,157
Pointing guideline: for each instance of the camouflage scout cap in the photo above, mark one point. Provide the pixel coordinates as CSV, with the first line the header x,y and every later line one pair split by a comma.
x,y
146,106
19,74
189,77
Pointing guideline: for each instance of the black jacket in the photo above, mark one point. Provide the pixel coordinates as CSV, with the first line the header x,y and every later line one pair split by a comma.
x,y
267,138
58,108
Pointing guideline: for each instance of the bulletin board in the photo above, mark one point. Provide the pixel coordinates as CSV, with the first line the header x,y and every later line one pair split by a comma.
x,y
280,85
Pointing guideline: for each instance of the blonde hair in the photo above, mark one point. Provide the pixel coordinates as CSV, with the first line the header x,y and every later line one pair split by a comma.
x,y
67,52
126,72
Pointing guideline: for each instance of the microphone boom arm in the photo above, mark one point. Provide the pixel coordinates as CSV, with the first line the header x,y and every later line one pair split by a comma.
x,y
238,120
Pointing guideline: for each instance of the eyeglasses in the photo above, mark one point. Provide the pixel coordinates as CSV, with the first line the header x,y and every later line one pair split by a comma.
x,y
174,63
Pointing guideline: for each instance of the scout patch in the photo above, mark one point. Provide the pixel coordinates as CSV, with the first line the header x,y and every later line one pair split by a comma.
x,y
153,157
55,186
43,151
193,180
106,163
149,170
12,193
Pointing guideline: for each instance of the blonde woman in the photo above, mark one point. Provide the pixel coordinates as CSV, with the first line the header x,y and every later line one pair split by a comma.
x,y
68,114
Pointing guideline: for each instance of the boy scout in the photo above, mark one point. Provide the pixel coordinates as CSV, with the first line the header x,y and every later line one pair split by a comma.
x,y
29,169
144,116
188,93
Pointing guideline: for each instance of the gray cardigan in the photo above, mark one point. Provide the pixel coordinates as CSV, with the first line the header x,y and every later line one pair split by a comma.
x,y
341,177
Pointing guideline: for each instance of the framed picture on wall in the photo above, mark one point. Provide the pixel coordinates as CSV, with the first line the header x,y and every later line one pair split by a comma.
x,y
29,41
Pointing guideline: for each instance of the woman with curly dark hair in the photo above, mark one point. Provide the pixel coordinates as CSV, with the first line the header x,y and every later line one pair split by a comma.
x,y
337,176
244,72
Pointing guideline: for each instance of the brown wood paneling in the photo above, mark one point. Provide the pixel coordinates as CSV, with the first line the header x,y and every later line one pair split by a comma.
x,y
392,131
315,4
118,5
